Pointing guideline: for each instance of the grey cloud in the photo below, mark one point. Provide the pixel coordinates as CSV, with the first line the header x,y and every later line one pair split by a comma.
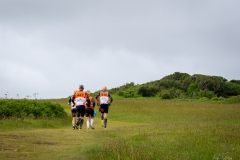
x,y
60,44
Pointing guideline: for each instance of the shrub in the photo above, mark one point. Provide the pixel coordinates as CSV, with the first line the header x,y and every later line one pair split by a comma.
x,y
206,93
204,99
221,98
30,108
233,100
166,96
214,99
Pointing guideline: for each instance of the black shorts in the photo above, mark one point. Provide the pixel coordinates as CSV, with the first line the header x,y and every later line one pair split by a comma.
x,y
80,110
104,107
89,112
74,111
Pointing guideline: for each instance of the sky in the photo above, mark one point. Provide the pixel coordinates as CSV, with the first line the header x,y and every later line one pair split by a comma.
x,y
49,47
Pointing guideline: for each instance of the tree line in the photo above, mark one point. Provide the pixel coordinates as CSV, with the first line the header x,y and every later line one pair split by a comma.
x,y
181,85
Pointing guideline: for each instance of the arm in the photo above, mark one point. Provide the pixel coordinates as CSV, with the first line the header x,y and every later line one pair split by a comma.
x,y
69,101
97,99
110,96
72,100
92,101
87,99
88,103
73,97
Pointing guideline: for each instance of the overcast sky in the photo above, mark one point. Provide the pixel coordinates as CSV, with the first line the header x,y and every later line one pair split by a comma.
x,y
50,47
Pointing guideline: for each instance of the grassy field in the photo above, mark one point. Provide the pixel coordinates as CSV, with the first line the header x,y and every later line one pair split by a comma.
x,y
137,129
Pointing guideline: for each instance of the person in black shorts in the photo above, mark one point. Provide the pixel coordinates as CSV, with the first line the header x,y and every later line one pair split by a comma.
x,y
104,103
80,99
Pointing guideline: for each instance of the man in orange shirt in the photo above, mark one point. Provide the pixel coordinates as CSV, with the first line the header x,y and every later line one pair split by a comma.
x,y
80,98
103,100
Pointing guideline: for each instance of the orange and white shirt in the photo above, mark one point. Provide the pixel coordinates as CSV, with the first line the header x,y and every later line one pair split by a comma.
x,y
103,97
80,97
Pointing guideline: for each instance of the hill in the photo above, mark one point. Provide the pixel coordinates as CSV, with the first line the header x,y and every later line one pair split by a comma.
x,y
181,85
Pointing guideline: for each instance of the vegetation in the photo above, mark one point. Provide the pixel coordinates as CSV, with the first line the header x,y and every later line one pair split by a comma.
x,y
181,85
146,128
30,108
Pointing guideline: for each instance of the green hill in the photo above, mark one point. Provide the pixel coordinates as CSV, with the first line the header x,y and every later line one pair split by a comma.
x,y
181,85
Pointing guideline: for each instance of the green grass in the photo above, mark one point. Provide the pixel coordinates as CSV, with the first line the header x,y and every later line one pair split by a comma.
x,y
137,129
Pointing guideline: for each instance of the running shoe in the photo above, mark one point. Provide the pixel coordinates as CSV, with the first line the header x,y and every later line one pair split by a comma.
x,y
76,127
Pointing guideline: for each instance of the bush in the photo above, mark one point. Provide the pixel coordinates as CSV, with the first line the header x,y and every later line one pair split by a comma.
x,y
166,96
203,99
30,108
233,100
217,99
214,99
221,98
206,93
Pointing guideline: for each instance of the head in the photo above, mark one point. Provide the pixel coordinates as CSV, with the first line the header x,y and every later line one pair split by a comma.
x,y
88,93
81,87
104,88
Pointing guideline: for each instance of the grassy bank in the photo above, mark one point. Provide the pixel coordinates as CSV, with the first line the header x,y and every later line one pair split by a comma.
x,y
137,129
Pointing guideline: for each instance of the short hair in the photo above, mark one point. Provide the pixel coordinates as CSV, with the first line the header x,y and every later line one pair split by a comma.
x,y
81,87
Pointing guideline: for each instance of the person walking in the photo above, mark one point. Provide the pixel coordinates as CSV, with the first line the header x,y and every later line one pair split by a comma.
x,y
80,98
73,112
90,111
103,102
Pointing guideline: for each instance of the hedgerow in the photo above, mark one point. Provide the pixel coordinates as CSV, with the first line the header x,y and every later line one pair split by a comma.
x,y
30,108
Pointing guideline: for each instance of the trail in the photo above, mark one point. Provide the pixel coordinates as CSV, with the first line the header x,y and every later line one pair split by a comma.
x,y
61,143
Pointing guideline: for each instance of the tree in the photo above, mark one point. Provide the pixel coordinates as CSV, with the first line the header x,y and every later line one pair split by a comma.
x,y
147,91
231,89
176,76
